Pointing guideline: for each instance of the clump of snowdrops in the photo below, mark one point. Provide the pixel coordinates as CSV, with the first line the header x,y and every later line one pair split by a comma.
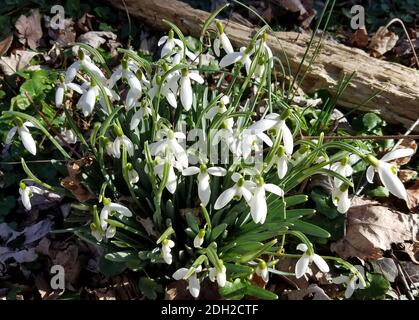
x,y
196,163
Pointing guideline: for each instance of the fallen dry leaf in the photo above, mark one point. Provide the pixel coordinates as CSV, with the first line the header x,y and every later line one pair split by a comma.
x,y
29,29
64,36
313,291
406,143
293,6
407,175
382,42
413,197
5,44
72,182
17,61
372,228
359,38
96,38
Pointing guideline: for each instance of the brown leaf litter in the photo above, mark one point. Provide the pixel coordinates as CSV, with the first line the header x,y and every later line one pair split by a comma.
x,y
29,29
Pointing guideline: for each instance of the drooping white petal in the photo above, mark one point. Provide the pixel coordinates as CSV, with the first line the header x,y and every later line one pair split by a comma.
x,y
320,263
301,266
370,174
302,247
132,97
59,96
282,167
120,208
340,279
95,70
133,176
128,145
162,40
226,43
287,139
198,241
115,77
72,72
344,203
391,181
222,277
258,207
25,199
135,120
171,181
263,125
104,214
186,94
273,188
217,171
190,171
230,59
27,139
194,286
74,87
398,153
116,148
180,273
10,135
225,198
217,43
196,77
204,189
87,101
350,288
110,232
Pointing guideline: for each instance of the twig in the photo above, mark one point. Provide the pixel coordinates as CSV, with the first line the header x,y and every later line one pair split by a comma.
x,y
395,137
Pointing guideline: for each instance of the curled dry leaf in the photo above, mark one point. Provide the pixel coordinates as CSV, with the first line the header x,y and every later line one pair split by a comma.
x,y
406,175
29,30
96,38
413,197
372,228
405,143
359,38
5,44
382,42
293,6
313,291
17,61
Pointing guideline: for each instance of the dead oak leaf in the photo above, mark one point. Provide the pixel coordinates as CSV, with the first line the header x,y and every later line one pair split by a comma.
x,y
413,197
359,38
5,44
372,228
17,61
382,42
96,38
29,29
293,6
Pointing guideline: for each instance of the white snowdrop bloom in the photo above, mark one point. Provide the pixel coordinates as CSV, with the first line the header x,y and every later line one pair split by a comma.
x,y
219,108
92,92
99,234
340,198
266,50
158,167
169,44
258,206
24,134
277,122
242,188
108,147
388,172
300,154
218,275
108,208
62,88
166,248
252,140
343,168
86,62
199,239
204,188
229,136
168,88
140,115
132,174
120,140
193,281
262,270
243,57
280,160
302,264
68,136
353,282
171,145
222,41
186,92
26,193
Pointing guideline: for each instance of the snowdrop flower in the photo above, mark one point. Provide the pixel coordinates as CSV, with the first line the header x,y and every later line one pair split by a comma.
x,y
120,140
92,92
166,248
353,281
258,206
68,136
343,168
280,160
243,57
108,208
193,281
218,275
62,88
266,50
26,193
222,41
186,93
388,172
108,144
24,134
98,232
132,174
252,139
340,197
158,168
168,89
204,188
169,44
300,154
135,90
262,270
277,122
199,239
303,263
86,62
229,136
219,108
241,188
140,115
171,145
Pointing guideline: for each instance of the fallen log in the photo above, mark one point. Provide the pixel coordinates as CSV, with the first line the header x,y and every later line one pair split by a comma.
x,y
398,101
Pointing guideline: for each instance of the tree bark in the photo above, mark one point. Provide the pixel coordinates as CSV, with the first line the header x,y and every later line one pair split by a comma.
x,y
398,101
